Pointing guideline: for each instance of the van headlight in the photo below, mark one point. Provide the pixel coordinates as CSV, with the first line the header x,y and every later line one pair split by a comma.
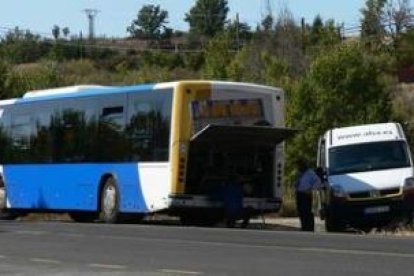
x,y
338,191
409,183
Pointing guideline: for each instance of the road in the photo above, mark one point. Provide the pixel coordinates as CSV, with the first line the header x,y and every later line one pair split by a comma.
x,y
65,248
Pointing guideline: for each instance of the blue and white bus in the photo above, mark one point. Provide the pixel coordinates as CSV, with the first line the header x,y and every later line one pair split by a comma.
x,y
108,152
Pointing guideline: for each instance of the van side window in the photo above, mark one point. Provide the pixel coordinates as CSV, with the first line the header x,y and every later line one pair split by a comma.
x,y
322,154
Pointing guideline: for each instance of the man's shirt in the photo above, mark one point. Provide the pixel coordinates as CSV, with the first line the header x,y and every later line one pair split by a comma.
x,y
308,181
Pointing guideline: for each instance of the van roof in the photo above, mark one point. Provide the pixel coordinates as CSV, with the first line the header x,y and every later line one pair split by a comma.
x,y
364,134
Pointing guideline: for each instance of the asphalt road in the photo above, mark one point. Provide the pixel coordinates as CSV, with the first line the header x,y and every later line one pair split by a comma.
x,y
64,248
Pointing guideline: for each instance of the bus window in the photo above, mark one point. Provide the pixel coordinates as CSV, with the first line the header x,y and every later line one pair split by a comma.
x,y
42,139
68,135
114,116
148,129
21,129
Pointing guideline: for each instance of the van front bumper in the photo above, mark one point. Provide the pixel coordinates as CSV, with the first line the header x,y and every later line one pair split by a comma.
x,y
376,211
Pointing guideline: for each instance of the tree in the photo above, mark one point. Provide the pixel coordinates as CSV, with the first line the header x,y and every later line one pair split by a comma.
x,y
22,46
56,32
316,31
267,23
322,35
398,17
4,73
372,27
207,17
345,86
240,32
287,42
66,32
258,65
150,23
217,57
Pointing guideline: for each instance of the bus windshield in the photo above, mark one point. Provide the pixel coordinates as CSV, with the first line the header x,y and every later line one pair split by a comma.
x,y
368,157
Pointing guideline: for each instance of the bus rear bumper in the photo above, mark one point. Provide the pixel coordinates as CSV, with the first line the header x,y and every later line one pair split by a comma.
x,y
256,205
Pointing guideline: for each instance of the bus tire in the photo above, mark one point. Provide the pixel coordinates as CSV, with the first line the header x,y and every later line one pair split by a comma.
x,y
83,216
109,209
5,214
8,215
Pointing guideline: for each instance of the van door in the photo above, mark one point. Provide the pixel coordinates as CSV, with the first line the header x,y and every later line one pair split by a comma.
x,y
323,195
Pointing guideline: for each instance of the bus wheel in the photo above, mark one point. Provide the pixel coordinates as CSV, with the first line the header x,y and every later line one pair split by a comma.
x,y
110,202
8,215
4,213
83,216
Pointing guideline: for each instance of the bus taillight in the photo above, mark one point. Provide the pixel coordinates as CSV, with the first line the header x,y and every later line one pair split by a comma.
x,y
181,170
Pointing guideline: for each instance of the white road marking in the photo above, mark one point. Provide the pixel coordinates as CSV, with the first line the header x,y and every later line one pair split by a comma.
x,y
107,266
279,247
31,232
356,252
180,272
73,235
46,261
2,257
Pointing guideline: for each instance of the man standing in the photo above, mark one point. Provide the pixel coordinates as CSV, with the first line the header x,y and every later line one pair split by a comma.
x,y
307,182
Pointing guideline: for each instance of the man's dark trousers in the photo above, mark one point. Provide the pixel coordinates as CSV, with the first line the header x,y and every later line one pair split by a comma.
x,y
304,208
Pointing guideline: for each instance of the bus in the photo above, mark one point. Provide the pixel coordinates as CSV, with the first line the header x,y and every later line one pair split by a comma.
x,y
111,152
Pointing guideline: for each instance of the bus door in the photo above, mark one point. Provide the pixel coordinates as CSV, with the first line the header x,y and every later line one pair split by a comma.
x,y
247,151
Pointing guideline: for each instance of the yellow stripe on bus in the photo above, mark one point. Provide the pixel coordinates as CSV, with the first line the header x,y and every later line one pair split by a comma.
x,y
185,92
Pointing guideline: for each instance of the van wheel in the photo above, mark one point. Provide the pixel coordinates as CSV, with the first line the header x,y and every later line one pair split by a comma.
x,y
110,202
332,224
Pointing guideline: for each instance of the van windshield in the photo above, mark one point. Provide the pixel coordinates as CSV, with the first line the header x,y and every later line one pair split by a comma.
x,y
368,157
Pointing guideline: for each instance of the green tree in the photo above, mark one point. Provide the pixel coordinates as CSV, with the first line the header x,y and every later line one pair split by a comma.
x,y
322,35
207,17
150,23
316,30
240,32
345,86
22,46
257,65
66,32
218,55
4,73
372,25
267,23
56,32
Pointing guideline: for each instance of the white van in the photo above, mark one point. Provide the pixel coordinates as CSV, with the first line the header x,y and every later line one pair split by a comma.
x,y
369,175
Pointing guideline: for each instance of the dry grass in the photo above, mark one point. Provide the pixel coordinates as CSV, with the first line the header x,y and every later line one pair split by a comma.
x,y
288,208
45,217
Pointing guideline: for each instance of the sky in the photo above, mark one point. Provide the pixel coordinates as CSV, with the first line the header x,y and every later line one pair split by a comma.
x,y
115,15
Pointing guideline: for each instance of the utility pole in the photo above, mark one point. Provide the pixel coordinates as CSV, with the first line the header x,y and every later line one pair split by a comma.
x,y
303,31
237,32
91,14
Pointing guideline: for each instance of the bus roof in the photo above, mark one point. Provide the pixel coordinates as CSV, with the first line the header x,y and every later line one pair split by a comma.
x,y
80,91
365,134
91,90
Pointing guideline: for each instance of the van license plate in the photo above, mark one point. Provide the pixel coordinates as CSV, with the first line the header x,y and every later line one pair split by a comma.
x,y
376,210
